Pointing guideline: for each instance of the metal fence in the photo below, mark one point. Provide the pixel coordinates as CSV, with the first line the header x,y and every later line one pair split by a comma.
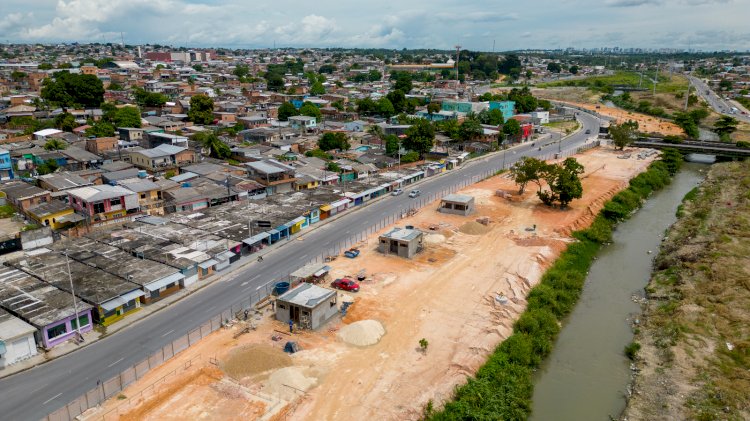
x,y
108,388
116,384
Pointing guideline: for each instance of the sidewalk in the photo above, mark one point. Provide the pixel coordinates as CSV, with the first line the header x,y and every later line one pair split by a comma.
x,y
100,332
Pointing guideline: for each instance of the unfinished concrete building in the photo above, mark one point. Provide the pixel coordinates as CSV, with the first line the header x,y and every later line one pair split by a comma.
x,y
457,204
403,242
308,306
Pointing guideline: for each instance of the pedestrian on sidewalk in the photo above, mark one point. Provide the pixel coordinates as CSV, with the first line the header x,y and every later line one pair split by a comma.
x,y
291,326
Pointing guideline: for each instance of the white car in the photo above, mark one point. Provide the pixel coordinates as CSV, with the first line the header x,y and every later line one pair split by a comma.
x,y
397,192
414,193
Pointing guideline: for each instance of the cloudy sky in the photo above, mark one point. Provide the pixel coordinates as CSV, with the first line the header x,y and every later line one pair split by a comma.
x,y
475,24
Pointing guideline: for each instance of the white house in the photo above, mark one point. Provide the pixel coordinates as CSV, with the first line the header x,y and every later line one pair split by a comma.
x,y
16,339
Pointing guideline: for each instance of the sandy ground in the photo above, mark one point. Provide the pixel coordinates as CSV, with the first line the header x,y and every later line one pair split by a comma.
x,y
646,123
9,226
462,294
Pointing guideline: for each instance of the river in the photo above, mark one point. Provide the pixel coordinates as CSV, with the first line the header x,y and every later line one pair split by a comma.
x,y
587,374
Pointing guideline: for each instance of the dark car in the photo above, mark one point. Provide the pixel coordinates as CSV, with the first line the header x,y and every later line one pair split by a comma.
x,y
346,284
588,131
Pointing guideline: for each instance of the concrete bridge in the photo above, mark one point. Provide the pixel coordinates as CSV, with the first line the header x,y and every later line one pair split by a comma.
x,y
727,150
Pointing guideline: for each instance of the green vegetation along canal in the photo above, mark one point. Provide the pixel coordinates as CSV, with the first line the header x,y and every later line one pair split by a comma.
x,y
587,374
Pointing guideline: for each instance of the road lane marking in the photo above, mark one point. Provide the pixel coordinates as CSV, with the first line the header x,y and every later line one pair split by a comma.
x,y
115,362
210,308
38,388
167,333
52,398
243,284
259,287
304,256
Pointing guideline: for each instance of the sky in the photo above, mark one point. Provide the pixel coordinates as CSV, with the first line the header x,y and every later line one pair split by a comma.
x,y
474,24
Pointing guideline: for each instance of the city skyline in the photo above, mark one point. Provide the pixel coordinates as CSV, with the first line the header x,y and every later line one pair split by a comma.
x,y
650,24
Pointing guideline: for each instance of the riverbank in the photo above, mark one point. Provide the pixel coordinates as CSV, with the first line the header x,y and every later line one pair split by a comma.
x,y
694,337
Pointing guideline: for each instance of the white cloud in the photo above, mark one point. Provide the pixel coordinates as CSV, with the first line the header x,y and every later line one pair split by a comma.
x,y
418,23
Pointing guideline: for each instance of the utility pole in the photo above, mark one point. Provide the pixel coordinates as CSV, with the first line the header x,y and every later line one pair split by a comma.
x,y
687,95
656,78
458,51
73,293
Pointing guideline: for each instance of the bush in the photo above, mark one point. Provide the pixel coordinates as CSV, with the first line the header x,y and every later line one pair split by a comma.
x,y
632,349
742,144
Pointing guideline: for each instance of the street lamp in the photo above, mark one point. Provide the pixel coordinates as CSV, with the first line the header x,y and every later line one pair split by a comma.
x,y
73,293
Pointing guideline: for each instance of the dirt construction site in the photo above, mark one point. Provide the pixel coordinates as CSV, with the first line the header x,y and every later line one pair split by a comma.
x,y
462,294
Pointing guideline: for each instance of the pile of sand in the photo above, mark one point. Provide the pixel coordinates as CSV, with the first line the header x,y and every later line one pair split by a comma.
x,y
289,382
362,333
254,359
474,228
434,238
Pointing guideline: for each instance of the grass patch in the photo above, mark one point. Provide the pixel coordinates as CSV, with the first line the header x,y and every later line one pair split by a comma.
x,y
604,83
503,387
6,211
631,350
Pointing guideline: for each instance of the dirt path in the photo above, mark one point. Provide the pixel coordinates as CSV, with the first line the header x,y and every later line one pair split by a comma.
x,y
462,294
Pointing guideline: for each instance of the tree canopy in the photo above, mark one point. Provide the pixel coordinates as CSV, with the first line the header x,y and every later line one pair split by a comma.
x,y
317,89
148,99
201,109
725,126
623,134
55,145
527,170
101,129
287,110
73,90
329,141
563,182
127,117
209,140
512,128
309,109
420,137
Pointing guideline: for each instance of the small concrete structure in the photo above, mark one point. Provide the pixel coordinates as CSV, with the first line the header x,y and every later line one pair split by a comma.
x,y
458,204
404,242
16,339
309,306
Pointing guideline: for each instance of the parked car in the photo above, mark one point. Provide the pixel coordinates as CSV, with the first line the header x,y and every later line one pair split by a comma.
x,y
414,193
345,284
588,131
352,253
397,192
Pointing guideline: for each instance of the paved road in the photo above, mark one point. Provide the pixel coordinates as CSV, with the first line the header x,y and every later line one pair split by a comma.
x,y
715,101
33,394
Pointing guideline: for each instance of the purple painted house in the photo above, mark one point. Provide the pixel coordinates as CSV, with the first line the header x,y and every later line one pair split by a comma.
x,y
48,309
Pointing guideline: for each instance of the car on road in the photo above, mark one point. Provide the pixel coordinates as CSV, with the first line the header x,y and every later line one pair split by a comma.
x,y
397,192
588,131
345,284
414,193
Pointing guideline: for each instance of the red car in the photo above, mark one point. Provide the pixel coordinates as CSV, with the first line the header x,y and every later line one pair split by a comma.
x,y
346,284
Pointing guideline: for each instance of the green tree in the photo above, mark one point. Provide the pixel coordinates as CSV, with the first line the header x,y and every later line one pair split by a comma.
x,y
17,75
275,82
45,66
55,145
470,129
201,109
317,89
48,167
127,117
209,140
624,134
329,141
101,129
309,109
573,69
398,99
65,122
687,123
433,108
420,137
391,145
528,170
73,90
384,107
493,117
287,110
725,126
725,85
554,67
149,99
403,82
241,71
563,182
374,75
512,128
672,158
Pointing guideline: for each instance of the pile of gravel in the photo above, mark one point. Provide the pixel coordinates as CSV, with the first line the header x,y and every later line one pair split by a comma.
x,y
362,333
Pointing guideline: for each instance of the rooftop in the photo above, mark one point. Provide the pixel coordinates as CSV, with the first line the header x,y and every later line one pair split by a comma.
x,y
307,295
403,234
100,192
37,302
458,198
11,327
92,285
